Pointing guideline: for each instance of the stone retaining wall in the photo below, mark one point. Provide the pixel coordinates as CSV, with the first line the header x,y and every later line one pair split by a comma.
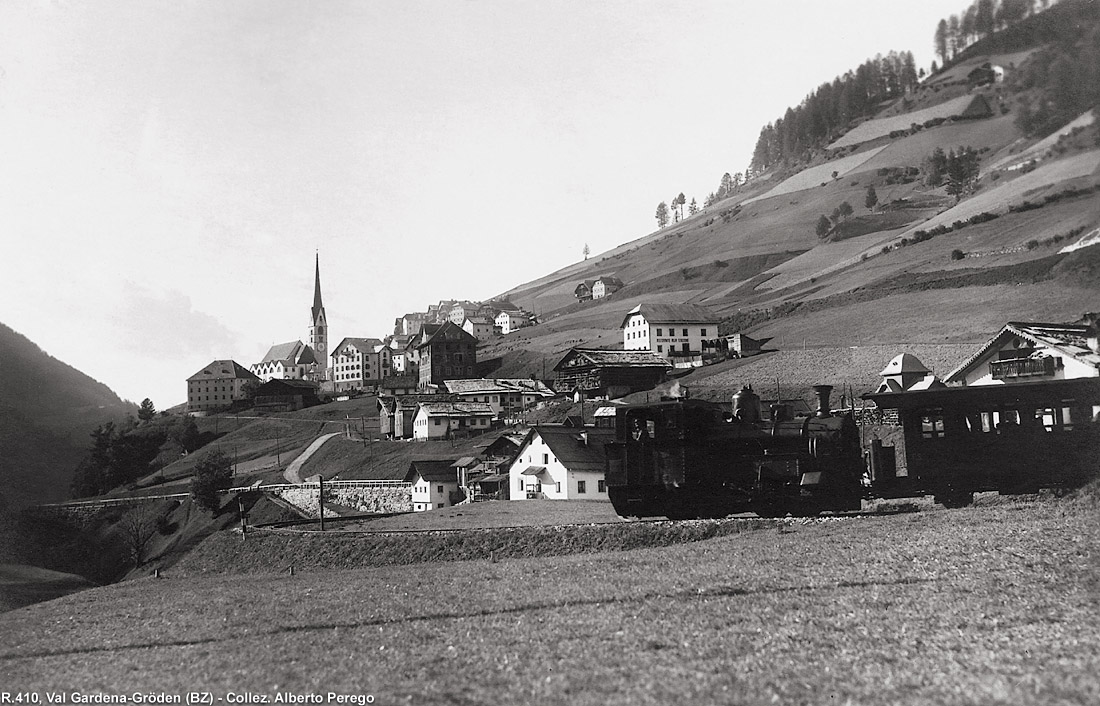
x,y
364,500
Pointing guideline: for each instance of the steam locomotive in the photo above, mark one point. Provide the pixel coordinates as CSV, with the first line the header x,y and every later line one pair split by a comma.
x,y
688,458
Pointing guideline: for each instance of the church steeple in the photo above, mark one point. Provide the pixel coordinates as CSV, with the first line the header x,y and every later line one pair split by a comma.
x,y
318,307
318,326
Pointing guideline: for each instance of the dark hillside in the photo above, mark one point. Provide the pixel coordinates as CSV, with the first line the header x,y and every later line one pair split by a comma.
x,y
47,411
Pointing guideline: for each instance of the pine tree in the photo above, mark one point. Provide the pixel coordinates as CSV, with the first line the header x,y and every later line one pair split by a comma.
x,y
662,215
872,197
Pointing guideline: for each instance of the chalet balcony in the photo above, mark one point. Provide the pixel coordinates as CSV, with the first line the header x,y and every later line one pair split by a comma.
x,y
1024,368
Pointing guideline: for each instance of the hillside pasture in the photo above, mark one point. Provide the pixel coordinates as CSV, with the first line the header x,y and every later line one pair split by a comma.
x,y
818,175
938,315
881,127
983,605
959,71
1039,150
912,150
1033,186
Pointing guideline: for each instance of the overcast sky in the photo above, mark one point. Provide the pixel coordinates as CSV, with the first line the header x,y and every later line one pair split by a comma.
x,y
169,168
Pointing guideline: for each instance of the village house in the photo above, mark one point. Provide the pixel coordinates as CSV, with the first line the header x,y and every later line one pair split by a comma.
x,y
359,363
597,372
435,484
447,354
399,385
606,286
409,324
447,420
509,397
669,330
286,395
217,385
904,372
509,321
743,346
287,361
480,328
1022,352
560,463
583,291
460,311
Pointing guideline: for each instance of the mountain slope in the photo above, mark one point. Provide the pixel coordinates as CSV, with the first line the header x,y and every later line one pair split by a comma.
x,y
47,410
920,266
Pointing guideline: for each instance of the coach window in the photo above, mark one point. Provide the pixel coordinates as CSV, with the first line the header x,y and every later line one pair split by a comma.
x,y
931,424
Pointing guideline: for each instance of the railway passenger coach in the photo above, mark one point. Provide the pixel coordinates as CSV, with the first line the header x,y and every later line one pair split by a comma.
x,y
1016,438
684,458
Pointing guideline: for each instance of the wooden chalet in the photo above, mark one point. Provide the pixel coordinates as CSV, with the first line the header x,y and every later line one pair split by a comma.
x,y
609,373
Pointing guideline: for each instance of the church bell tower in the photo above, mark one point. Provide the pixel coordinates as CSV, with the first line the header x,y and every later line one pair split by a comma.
x,y
318,326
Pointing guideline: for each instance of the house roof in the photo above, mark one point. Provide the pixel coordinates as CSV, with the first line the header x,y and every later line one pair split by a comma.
x,y
448,331
576,449
600,357
457,409
465,462
220,369
612,281
1070,340
433,471
673,313
363,345
484,385
904,363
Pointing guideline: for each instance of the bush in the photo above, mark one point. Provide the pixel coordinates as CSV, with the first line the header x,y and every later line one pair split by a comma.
x,y
957,254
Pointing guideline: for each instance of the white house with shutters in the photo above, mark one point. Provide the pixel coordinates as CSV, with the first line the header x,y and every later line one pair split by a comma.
x,y
669,330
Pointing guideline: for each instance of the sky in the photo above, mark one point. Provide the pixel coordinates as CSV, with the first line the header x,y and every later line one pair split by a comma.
x,y
169,169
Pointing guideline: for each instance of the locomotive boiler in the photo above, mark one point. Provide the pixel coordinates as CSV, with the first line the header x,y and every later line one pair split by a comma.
x,y
687,458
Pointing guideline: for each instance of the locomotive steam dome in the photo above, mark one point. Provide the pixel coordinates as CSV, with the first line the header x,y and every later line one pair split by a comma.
x,y
746,405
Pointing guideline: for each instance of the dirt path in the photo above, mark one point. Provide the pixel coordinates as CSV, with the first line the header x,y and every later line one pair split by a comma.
x,y
291,472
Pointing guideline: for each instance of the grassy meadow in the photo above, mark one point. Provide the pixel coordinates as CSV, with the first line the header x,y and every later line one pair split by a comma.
x,y
994,604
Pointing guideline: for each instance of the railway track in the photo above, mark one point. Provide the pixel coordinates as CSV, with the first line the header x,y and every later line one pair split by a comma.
x,y
311,525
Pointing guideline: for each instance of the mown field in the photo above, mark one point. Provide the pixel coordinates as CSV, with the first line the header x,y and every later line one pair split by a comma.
x,y
991,605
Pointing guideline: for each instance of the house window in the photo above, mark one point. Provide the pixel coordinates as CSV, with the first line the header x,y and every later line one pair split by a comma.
x,y
439,489
581,487
520,483
601,486
702,332
685,347
557,487
545,459
685,332
660,348
438,505
660,332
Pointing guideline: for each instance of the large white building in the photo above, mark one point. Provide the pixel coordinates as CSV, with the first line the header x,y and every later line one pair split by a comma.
x,y
359,363
287,361
669,330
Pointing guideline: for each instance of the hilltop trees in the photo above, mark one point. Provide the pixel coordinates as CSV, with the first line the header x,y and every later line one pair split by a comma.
x,y
146,411
662,214
981,19
830,109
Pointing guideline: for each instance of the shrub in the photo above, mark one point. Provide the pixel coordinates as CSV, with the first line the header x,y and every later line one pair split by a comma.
x,y
957,254
1032,244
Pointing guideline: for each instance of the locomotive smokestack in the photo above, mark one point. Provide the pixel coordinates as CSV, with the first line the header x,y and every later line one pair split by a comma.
x,y
822,392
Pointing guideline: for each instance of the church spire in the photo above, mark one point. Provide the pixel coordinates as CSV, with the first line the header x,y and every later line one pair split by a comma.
x,y
317,306
318,326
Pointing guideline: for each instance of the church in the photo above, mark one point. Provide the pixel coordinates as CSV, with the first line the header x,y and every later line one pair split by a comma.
x,y
295,360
